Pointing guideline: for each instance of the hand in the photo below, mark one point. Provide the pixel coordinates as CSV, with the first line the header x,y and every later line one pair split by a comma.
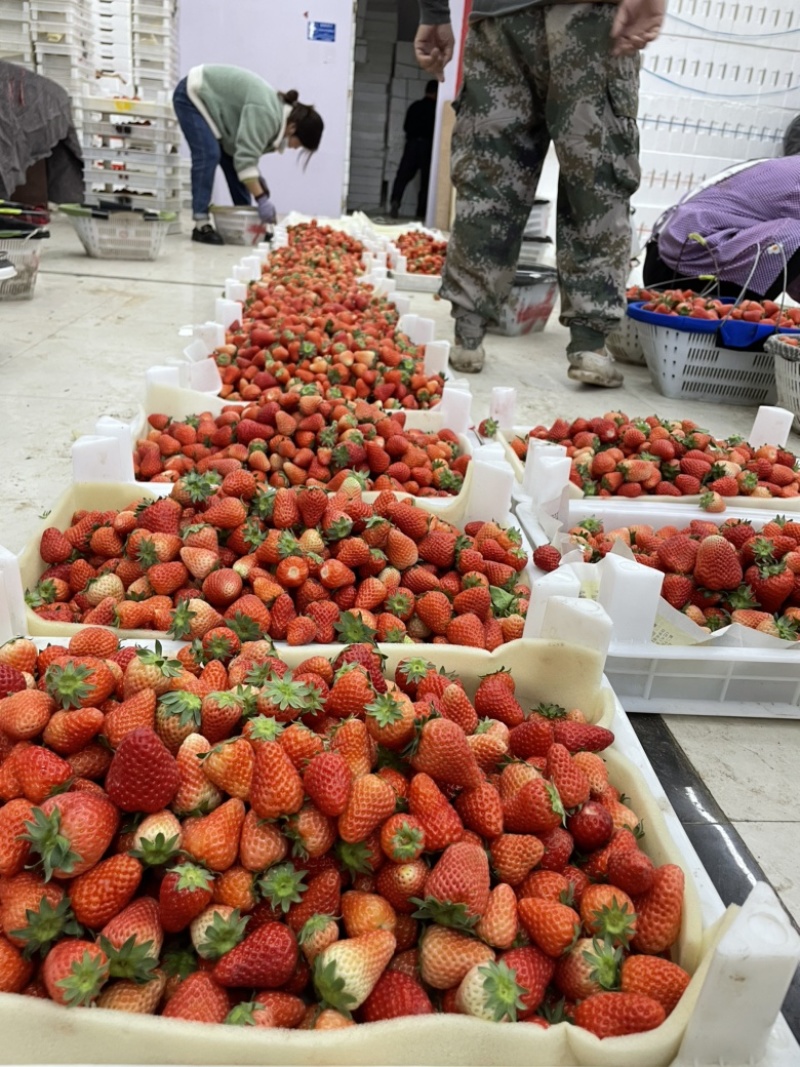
x,y
637,23
433,47
266,210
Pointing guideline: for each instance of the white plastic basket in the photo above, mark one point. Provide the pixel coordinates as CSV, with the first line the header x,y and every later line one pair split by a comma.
x,y
787,375
24,256
623,342
123,235
685,365
536,226
238,225
530,304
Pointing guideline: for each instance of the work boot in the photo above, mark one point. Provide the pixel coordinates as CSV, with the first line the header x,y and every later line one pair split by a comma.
x,y
467,358
206,235
594,368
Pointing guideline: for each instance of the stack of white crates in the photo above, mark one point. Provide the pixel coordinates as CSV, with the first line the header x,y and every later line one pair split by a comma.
x,y
154,33
709,100
131,150
15,33
407,85
62,34
376,33
113,48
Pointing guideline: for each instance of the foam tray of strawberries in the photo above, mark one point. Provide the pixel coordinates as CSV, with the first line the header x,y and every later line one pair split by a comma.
x,y
296,565
178,840
615,457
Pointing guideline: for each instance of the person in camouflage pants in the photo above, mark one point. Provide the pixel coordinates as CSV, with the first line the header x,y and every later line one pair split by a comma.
x,y
536,74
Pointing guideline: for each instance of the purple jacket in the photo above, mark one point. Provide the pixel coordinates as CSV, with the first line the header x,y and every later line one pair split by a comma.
x,y
757,207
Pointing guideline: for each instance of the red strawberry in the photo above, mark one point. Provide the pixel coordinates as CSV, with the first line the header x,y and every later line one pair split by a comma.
x,y
444,754
659,911
184,893
581,736
265,959
534,971
143,775
654,977
213,840
277,788
102,892
327,780
70,832
591,827
199,999
717,565
631,870
553,927
616,1014
547,558
457,889
394,996
11,680
570,781
371,802
74,972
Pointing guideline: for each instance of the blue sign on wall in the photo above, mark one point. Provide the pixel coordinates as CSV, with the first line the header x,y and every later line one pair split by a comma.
x,y
322,31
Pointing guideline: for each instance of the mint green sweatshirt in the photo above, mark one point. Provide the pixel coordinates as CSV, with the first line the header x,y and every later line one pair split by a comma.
x,y
246,115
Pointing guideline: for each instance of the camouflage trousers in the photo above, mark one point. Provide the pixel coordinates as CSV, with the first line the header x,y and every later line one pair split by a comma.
x,y
543,74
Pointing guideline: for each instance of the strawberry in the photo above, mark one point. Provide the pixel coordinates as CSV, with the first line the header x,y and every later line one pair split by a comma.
x,y
494,700
131,996
771,584
659,911
481,810
40,772
102,892
466,630
588,968
371,802
70,832
143,775
350,693
213,840
14,848
608,913
402,838
553,927
446,956
499,924
616,1014
277,788
656,978
265,959
717,565
322,897
591,827
536,807
15,970
75,972
363,912
456,705
394,996
68,732
443,753
490,991
440,821
230,767
631,870
533,970
547,558
570,781
11,680
346,972
199,999
24,715
457,888
514,855
580,737
133,939
184,893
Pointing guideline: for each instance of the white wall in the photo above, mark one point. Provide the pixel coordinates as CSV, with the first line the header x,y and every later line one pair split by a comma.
x,y
271,40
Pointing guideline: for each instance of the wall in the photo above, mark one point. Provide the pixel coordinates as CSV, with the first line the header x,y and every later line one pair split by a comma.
x,y
447,93
249,33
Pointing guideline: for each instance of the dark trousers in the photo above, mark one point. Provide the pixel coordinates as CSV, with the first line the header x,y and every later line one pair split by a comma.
x,y
207,155
416,157
656,272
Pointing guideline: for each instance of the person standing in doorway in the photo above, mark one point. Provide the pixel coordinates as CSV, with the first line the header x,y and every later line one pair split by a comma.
x,y
418,127
536,72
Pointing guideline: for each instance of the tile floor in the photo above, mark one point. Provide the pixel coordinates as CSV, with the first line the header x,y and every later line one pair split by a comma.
x,y
80,348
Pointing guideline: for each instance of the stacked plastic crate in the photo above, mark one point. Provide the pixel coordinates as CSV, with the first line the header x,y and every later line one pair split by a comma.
x,y
62,34
711,99
154,34
15,33
131,135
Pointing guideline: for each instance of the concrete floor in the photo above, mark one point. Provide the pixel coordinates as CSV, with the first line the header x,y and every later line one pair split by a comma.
x,y
80,348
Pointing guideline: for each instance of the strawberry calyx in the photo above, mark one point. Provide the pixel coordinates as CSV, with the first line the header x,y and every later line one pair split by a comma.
x,y
406,842
313,926
86,977
179,963
742,599
181,705
501,991
615,923
288,695
54,849
355,857
169,668
444,912
222,934
503,602
44,593
243,1014
245,627
283,885
45,926
351,630
264,728
191,876
132,960
158,851
68,685
385,710
330,987
550,711
604,961
180,626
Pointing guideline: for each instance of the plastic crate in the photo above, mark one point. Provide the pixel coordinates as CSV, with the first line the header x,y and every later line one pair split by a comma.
x,y
538,220
24,255
123,235
787,375
238,225
623,343
530,304
691,366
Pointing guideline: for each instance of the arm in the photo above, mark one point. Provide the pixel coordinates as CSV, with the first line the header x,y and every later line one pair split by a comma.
x,y
637,23
255,132
434,43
